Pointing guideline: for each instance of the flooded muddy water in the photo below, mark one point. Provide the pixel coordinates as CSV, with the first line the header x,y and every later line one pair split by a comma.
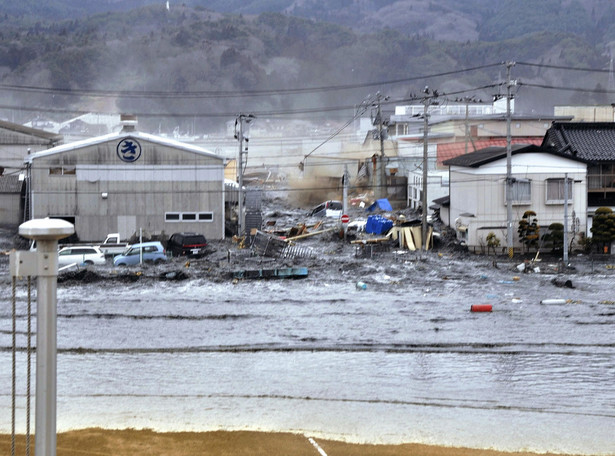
x,y
404,360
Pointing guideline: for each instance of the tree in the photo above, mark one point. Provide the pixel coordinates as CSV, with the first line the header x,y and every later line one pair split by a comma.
x,y
529,230
554,237
603,229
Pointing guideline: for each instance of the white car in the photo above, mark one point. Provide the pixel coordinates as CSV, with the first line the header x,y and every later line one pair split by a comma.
x,y
330,208
86,255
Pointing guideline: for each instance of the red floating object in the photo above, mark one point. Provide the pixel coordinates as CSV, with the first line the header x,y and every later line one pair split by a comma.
x,y
481,308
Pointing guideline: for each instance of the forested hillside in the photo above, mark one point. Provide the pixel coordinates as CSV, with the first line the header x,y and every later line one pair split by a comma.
x,y
492,20
261,62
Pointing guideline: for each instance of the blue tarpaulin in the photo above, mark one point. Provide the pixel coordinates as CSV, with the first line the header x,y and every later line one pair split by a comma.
x,y
382,204
377,224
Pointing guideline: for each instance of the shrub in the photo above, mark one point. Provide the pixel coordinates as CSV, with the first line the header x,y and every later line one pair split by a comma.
x,y
554,237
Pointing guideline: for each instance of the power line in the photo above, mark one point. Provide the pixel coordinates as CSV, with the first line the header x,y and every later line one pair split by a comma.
x,y
228,94
569,89
560,67
271,113
188,115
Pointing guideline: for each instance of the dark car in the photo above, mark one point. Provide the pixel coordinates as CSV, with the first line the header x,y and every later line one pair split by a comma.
x,y
187,244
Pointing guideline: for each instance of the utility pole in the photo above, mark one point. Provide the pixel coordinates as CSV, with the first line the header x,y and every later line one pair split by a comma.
x,y
345,179
467,100
509,179
427,100
565,219
345,190
381,190
239,135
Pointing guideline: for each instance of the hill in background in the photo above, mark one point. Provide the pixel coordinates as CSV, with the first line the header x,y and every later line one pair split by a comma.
x,y
256,55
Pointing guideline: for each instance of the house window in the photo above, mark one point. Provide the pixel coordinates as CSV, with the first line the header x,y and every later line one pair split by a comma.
x,y
189,217
62,171
556,191
521,191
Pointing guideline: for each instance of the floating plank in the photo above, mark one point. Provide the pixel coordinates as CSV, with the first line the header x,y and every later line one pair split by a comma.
x,y
275,273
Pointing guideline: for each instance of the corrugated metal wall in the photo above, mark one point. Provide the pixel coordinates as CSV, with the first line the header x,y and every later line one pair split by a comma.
x,y
107,195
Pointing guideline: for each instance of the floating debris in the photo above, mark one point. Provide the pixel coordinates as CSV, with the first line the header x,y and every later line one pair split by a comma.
x,y
275,273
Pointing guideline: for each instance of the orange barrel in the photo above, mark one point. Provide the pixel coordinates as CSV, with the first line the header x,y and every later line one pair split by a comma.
x,y
481,308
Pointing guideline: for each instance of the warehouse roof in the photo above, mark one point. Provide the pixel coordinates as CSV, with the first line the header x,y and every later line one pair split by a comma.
x,y
118,136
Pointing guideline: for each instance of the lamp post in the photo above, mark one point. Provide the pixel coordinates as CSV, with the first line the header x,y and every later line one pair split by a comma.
x,y
46,232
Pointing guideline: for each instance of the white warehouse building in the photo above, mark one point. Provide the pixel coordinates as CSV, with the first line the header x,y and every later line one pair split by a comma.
x,y
127,181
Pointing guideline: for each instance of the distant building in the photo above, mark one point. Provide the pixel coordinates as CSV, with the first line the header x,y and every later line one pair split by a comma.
x,y
11,187
605,113
17,141
89,125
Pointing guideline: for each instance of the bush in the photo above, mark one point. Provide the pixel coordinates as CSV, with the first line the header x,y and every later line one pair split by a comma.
x,y
603,228
554,237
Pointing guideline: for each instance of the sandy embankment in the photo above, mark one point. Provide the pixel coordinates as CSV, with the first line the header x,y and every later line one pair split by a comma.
x,y
130,442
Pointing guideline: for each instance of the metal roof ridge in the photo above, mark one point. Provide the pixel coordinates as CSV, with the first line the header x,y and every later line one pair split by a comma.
x,y
117,135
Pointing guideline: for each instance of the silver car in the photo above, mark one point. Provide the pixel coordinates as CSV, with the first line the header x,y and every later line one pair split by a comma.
x,y
81,255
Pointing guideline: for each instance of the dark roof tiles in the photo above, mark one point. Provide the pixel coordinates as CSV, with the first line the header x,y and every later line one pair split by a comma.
x,y
590,141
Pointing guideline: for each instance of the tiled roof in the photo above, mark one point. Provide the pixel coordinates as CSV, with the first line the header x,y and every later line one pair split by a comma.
x,y
590,141
446,151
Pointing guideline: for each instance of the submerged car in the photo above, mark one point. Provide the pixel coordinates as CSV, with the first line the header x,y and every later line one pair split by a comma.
x,y
329,208
187,244
87,255
153,252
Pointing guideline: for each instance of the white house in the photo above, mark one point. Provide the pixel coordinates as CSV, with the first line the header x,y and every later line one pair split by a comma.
x,y
478,192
